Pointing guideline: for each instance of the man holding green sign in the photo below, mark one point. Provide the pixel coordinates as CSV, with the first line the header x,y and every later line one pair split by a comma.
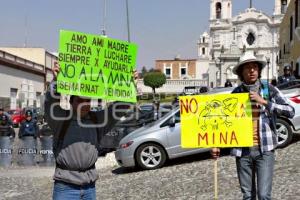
x,y
90,66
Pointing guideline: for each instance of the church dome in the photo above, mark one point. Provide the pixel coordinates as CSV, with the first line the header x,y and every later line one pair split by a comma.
x,y
251,14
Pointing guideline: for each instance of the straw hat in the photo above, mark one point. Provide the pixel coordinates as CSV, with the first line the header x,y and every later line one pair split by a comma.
x,y
248,57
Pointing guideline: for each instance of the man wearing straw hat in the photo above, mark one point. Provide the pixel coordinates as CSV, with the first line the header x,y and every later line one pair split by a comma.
x,y
267,101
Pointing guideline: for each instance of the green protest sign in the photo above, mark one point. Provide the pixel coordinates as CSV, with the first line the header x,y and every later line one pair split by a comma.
x,y
96,66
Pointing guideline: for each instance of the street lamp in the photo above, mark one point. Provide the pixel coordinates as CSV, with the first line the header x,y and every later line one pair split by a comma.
x,y
268,63
218,62
218,69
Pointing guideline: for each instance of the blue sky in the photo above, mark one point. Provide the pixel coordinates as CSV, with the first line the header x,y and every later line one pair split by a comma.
x,y
161,28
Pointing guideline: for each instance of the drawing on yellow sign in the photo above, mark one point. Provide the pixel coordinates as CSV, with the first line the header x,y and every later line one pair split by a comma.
x,y
223,120
217,113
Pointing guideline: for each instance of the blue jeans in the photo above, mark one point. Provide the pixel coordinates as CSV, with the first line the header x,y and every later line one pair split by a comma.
x,y
255,164
63,191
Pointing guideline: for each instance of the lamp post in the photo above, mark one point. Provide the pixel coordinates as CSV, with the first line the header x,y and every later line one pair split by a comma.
x,y
268,73
127,16
218,62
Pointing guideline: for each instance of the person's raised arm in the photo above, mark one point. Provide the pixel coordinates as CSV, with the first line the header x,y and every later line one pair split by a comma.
x,y
53,111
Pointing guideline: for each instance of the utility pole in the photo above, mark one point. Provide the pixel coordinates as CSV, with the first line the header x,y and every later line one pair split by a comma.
x,y
128,28
103,30
250,3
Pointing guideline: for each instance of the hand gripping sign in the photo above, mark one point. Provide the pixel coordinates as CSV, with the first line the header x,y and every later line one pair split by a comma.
x,y
222,120
96,66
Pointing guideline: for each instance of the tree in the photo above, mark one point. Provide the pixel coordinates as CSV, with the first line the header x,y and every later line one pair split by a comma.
x,y
144,71
154,80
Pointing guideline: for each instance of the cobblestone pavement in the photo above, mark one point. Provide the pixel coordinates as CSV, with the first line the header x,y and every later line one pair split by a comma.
x,y
184,178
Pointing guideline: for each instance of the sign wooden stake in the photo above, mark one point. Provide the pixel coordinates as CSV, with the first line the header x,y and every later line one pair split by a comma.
x,y
216,178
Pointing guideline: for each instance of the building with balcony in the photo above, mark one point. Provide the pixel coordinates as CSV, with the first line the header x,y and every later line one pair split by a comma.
x,y
290,38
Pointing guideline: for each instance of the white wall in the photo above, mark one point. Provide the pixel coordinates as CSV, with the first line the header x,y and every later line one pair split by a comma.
x,y
13,78
36,55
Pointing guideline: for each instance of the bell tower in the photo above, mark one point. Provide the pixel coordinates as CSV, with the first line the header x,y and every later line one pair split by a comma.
x,y
281,6
220,9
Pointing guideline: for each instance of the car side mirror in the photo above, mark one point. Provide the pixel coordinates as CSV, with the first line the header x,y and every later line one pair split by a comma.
x,y
172,122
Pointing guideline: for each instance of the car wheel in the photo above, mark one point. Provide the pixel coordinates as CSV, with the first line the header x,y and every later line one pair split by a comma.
x,y
284,133
150,156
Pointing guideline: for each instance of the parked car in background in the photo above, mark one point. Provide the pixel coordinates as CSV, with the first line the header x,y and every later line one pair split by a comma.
x,y
137,117
289,85
151,145
17,116
194,90
287,127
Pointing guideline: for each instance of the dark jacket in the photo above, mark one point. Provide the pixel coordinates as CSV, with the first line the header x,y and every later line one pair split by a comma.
x,y
285,79
77,154
29,128
5,126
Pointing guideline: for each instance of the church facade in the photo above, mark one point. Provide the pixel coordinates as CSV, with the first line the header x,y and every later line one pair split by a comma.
x,y
229,36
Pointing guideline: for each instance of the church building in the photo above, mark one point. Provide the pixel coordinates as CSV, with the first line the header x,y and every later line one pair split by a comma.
x,y
229,36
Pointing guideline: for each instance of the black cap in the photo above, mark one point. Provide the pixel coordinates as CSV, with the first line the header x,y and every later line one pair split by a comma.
x,y
28,113
287,67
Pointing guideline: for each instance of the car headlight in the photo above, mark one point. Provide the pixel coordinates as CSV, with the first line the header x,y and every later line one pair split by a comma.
x,y
125,145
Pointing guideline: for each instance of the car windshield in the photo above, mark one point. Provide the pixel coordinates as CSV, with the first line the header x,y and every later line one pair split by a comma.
x,y
172,112
146,107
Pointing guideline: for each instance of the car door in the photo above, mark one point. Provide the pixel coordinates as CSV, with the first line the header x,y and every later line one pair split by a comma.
x,y
173,134
174,138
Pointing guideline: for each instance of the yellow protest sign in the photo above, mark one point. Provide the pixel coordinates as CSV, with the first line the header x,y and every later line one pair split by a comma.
x,y
221,120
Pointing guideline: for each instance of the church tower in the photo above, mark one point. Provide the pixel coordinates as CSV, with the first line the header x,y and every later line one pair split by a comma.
x,y
203,46
220,9
281,6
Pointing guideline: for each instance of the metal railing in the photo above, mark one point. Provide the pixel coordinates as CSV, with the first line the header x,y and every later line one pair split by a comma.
x,y
172,85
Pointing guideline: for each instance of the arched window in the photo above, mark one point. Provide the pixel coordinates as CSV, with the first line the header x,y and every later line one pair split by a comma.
x,y
297,16
283,6
203,39
203,51
291,28
218,10
250,38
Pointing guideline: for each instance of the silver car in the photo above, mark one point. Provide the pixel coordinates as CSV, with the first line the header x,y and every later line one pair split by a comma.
x,y
150,146
287,127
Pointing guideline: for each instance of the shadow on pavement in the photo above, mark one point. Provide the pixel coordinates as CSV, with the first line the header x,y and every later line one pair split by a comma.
x,y
124,170
173,162
195,158
296,138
